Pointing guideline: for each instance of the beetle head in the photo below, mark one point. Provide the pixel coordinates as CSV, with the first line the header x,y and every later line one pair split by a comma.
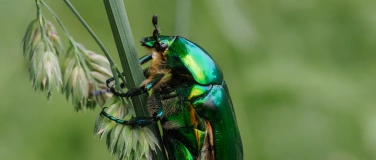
x,y
158,42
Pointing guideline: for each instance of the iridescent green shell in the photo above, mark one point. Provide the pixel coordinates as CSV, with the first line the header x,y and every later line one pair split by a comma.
x,y
202,67
184,53
209,98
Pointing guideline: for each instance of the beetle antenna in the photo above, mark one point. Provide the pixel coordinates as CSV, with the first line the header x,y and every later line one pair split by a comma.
x,y
155,24
155,20
158,46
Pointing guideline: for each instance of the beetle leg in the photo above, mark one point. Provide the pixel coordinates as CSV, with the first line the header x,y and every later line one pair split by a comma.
x,y
146,58
138,121
145,72
136,91
108,81
139,90
103,91
133,92
156,78
143,60
154,103
122,85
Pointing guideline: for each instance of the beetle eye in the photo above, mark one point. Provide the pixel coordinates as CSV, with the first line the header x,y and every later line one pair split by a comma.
x,y
163,46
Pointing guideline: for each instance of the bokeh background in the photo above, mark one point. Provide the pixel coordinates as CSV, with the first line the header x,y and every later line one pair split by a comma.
x,y
302,75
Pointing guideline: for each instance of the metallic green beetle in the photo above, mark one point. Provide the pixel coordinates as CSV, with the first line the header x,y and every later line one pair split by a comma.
x,y
190,99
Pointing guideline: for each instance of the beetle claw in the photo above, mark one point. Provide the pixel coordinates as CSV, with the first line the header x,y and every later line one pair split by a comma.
x,y
108,81
102,112
131,92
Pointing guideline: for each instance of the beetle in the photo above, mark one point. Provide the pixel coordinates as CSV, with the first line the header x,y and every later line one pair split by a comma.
x,y
189,97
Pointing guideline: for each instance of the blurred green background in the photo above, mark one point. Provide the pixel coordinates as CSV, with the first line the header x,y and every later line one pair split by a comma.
x,y
301,75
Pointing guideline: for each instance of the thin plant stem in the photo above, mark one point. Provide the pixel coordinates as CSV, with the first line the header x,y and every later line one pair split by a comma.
x,y
57,19
130,63
72,41
114,69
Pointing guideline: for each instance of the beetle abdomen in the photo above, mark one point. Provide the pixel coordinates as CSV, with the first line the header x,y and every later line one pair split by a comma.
x,y
217,108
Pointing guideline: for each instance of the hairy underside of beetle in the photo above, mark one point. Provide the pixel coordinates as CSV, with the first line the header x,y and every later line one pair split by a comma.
x,y
159,71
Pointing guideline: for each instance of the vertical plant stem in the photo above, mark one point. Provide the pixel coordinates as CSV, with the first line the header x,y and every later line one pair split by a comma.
x,y
128,56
